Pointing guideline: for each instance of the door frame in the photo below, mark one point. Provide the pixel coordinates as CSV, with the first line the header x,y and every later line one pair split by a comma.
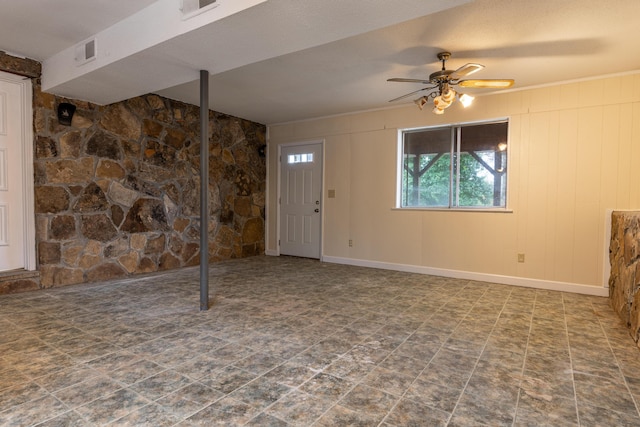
x,y
29,230
279,191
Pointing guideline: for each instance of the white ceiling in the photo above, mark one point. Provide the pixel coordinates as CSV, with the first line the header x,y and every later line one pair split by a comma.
x,y
286,60
39,29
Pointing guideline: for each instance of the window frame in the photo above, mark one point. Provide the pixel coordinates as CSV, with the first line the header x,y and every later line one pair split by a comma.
x,y
455,146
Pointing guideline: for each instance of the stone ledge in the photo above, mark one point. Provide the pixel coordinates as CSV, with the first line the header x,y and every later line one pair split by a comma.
x,y
15,281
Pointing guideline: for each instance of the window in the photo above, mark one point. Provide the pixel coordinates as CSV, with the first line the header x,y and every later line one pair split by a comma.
x,y
300,158
462,166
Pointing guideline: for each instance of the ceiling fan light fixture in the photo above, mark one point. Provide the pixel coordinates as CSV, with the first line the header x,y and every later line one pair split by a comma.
x,y
438,103
420,102
444,100
466,99
448,95
439,107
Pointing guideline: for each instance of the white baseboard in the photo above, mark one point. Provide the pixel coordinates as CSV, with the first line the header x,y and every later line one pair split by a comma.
x,y
481,277
271,252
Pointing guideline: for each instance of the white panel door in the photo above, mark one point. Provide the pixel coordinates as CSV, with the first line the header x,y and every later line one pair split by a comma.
x,y
12,221
300,193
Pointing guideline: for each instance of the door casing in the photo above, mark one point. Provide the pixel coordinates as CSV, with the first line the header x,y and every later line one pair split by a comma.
x,y
279,191
26,164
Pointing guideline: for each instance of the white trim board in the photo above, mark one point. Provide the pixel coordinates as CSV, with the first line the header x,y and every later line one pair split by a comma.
x,y
27,143
481,277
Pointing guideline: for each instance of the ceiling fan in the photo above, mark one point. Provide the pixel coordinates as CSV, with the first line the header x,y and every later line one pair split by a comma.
x,y
441,83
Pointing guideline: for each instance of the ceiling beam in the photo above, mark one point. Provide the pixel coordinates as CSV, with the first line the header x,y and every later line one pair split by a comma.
x,y
132,38
154,49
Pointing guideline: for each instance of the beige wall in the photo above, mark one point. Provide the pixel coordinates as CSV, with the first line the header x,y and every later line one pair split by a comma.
x,y
574,153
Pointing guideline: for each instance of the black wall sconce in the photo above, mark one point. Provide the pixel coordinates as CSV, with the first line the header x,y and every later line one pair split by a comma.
x,y
65,113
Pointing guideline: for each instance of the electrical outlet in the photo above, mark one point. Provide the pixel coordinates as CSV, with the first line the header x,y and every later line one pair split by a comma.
x,y
520,257
350,243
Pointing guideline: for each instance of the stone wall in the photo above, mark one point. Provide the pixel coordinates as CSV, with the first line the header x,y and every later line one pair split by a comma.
x,y
22,66
624,281
117,192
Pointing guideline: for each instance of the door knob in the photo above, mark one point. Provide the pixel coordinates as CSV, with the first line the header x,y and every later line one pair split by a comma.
x,y
317,210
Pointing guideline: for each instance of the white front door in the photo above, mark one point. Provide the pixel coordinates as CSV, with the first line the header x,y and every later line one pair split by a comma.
x,y
12,186
300,200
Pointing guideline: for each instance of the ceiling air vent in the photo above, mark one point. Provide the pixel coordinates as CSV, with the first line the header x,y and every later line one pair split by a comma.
x,y
86,51
191,8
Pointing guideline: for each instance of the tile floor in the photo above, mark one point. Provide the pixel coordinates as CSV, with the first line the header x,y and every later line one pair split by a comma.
x,y
296,342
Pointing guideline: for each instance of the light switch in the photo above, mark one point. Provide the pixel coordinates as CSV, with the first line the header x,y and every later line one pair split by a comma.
x,y
332,194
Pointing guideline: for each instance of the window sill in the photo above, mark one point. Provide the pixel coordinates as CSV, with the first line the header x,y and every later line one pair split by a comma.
x,y
483,210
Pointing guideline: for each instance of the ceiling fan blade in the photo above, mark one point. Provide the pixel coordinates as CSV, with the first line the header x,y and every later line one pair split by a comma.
x,y
424,82
487,83
465,70
411,93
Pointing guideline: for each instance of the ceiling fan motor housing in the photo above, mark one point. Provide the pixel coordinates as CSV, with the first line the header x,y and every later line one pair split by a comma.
x,y
441,76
